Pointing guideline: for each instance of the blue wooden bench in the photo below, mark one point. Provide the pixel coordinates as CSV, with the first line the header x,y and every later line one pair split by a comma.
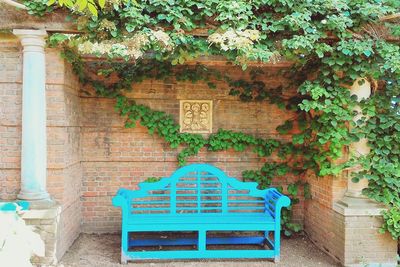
x,y
200,198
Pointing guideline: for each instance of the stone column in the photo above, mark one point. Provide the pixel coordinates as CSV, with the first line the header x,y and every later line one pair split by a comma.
x,y
361,88
353,198
34,144
358,218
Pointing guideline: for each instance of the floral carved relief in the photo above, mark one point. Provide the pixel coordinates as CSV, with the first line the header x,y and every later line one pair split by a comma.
x,y
196,116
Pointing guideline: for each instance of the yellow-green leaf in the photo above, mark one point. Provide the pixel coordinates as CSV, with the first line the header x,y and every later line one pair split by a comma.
x,y
92,8
51,2
102,3
82,4
67,3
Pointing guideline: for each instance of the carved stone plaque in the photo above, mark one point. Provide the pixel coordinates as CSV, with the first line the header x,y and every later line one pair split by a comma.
x,y
195,116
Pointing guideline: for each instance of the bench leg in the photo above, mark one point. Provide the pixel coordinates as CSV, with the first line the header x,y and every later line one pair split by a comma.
x,y
124,246
202,240
266,237
277,259
277,244
124,259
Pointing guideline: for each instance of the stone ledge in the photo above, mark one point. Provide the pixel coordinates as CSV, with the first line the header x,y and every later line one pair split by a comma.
x,y
349,206
42,211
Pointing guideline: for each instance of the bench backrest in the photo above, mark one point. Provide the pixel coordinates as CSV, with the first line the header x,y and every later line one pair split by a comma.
x,y
199,188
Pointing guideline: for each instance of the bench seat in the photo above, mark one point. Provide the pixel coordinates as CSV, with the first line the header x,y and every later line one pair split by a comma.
x,y
204,219
200,198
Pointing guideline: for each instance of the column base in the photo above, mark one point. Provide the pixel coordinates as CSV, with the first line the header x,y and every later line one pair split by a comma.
x,y
28,196
41,204
45,217
361,243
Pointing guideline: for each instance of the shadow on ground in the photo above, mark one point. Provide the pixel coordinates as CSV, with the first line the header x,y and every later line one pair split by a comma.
x,y
104,250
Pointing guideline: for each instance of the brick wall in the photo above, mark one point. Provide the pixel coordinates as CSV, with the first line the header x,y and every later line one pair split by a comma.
x,y
319,218
91,154
63,134
114,157
65,171
353,240
10,118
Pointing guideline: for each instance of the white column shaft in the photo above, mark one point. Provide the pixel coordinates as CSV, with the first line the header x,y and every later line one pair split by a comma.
x,y
361,147
34,140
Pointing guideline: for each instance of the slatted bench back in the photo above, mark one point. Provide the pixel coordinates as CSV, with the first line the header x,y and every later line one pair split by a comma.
x,y
199,188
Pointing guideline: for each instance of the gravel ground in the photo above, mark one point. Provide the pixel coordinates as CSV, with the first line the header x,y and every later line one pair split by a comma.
x,y
104,251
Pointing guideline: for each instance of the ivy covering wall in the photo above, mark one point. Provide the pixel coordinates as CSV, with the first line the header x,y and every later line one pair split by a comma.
x,y
330,42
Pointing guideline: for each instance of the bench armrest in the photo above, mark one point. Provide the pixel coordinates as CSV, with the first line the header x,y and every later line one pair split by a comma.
x,y
122,199
274,201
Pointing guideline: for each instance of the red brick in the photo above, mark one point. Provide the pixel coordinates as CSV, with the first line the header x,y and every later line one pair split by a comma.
x,y
91,154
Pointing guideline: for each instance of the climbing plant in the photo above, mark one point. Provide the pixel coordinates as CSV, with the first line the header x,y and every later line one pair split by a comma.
x,y
164,125
330,42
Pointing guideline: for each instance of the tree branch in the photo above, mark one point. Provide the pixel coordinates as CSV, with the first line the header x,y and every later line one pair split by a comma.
x,y
13,3
390,17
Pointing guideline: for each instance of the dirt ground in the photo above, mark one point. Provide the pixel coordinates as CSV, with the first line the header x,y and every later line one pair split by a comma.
x,y
104,251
